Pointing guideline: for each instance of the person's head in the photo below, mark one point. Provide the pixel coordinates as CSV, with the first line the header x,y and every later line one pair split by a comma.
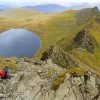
x,y
6,67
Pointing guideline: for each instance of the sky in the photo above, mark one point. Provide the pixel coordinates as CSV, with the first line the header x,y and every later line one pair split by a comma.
x,y
37,2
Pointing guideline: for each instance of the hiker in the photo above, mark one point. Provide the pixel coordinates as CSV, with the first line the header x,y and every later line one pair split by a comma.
x,y
6,72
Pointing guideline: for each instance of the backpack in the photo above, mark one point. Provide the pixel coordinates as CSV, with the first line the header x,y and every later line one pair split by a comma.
x,y
2,73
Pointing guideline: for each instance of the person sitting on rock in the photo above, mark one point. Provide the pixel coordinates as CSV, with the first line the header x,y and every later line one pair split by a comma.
x,y
6,72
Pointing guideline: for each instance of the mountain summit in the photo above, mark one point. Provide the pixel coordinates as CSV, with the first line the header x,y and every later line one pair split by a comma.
x,y
87,13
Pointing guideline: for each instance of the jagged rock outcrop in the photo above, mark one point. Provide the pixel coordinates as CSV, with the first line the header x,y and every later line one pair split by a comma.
x,y
29,81
85,41
33,81
59,57
78,88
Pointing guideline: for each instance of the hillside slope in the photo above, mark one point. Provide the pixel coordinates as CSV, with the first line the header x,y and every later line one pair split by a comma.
x,y
81,47
64,31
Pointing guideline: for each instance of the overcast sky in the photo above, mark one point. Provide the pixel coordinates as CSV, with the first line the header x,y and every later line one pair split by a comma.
x,y
37,2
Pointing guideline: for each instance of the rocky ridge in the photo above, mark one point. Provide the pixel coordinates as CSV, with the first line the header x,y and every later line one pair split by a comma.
x,y
35,80
59,57
85,41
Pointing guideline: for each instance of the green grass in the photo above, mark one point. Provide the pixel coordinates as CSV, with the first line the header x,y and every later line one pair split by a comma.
x,y
58,29
50,27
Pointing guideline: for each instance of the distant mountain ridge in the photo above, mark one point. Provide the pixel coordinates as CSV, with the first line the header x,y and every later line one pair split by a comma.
x,y
18,12
3,8
48,8
56,8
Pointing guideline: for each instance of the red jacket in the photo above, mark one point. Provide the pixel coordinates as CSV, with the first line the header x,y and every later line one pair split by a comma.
x,y
2,74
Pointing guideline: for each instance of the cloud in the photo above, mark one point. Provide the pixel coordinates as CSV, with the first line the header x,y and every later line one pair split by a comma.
x,y
37,2
52,1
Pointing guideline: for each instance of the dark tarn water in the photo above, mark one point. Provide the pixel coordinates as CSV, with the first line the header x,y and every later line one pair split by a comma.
x,y
19,43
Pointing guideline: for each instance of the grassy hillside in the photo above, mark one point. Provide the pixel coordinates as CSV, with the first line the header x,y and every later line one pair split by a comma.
x,y
49,27
78,50
60,30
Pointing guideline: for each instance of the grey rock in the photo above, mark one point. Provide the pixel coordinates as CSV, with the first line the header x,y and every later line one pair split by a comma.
x,y
34,82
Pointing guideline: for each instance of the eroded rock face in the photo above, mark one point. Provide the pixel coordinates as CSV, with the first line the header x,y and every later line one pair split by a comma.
x,y
85,41
34,82
59,57
76,88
